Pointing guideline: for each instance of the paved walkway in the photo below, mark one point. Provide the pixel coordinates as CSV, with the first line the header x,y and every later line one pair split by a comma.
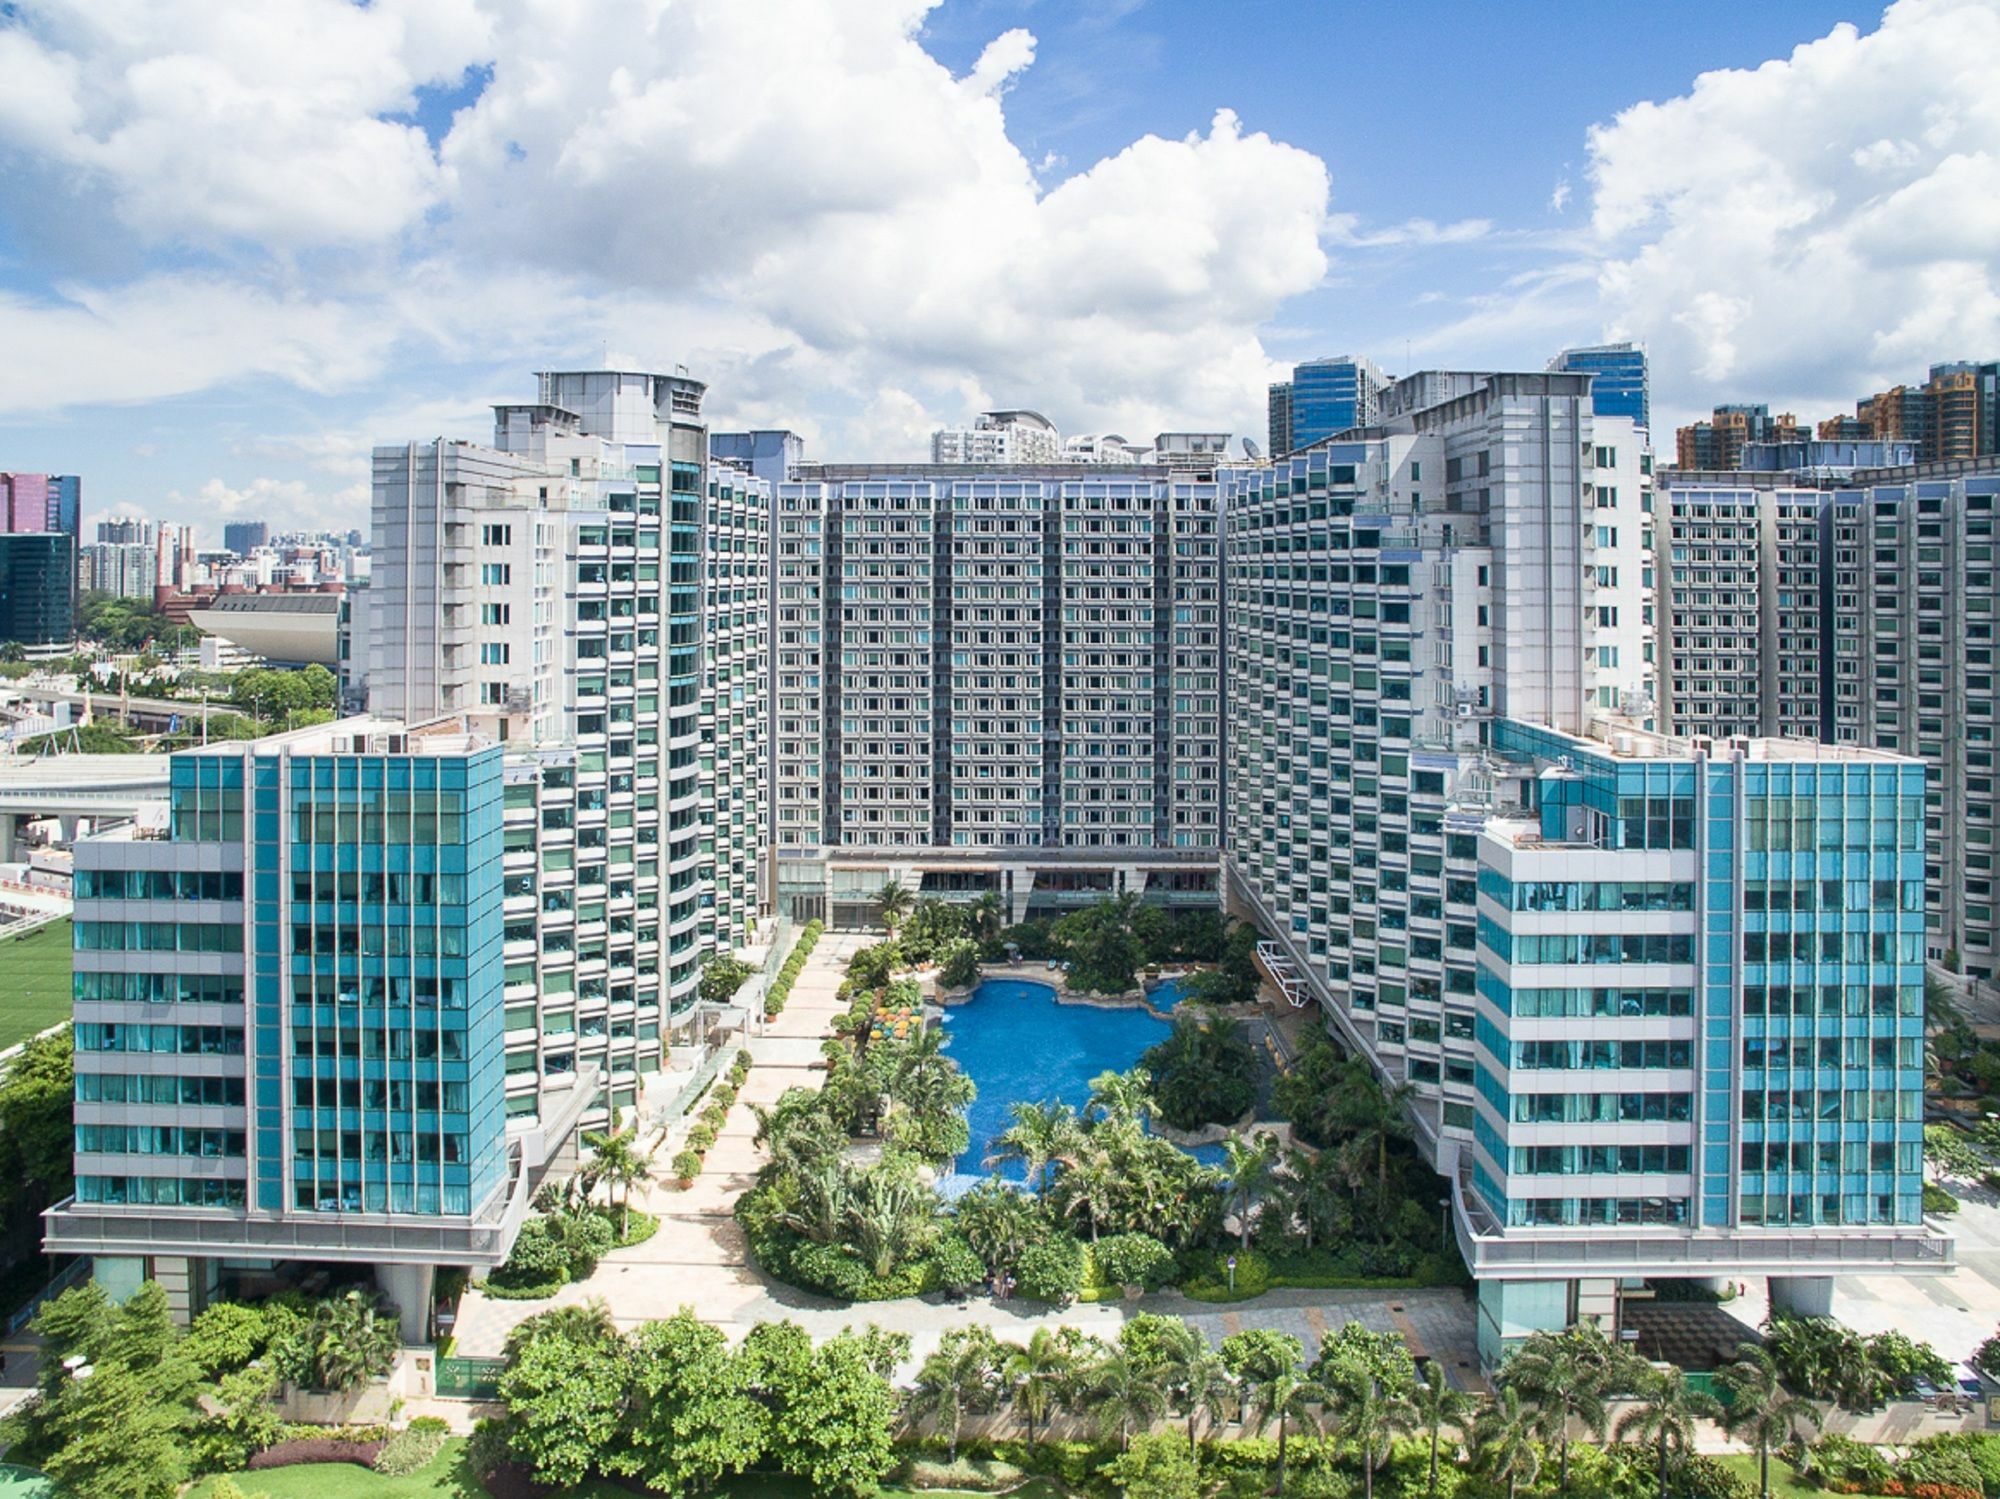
x,y
698,1257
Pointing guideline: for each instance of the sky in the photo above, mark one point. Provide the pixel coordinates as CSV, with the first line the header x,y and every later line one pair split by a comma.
x,y
242,241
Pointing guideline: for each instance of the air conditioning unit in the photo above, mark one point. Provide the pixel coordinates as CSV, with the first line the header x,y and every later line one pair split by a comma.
x,y
1465,710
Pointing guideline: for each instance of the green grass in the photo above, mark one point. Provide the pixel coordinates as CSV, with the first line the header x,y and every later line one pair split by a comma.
x,y
1785,1482
447,1477
34,982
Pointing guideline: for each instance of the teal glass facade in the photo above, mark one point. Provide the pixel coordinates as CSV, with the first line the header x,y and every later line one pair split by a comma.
x,y
1798,960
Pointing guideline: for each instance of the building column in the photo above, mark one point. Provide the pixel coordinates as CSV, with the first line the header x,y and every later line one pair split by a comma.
x,y
412,1288
1802,1295
8,825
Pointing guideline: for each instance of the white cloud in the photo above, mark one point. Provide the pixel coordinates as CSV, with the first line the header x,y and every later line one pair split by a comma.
x,y
1807,230
216,123
1560,196
288,504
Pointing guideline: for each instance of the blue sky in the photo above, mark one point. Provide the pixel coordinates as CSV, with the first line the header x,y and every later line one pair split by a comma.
x,y
229,263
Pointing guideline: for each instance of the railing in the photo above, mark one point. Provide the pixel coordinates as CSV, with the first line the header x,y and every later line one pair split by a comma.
x,y
1278,964
470,1378
72,1273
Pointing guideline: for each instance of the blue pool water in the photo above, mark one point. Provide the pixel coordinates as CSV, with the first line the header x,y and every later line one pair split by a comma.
x,y
1019,1046
1164,995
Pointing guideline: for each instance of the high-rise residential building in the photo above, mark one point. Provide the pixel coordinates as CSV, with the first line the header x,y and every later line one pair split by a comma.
x,y
1856,607
127,569
40,502
125,531
1002,680
1619,385
1718,443
999,437
1953,415
1424,770
589,592
1329,396
37,587
1278,419
244,536
291,1024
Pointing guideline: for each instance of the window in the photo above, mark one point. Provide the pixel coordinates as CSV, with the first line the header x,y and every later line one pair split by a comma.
x,y
496,614
496,574
495,653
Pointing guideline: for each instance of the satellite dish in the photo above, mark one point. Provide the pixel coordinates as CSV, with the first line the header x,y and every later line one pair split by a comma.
x,y
1250,449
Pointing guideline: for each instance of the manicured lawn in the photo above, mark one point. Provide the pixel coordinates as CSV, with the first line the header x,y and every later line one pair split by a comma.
x,y
446,1477
1785,1482
34,982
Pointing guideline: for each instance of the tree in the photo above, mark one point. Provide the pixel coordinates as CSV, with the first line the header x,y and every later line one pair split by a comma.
x,y
984,916
830,1412
1566,1376
999,1223
1248,1166
1103,951
1196,1379
619,1166
1665,1416
1312,1195
892,904
1947,1152
113,1434
347,1341
721,976
958,968
1122,1392
565,1400
1503,1440
1205,1072
1121,1098
1155,1466
1371,1417
962,1376
1289,1399
1042,1135
691,1420
1437,1406
1761,1411
589,1322
37,1138
1038,1376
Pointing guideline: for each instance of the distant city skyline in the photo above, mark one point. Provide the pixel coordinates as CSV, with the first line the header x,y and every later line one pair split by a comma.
x,y
1151,225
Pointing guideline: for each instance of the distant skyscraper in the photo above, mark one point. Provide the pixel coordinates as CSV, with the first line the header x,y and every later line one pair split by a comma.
x,y
1278,428
125,532
769,453
1718,443
37,587
1332,395
244,536
40,502
1618,385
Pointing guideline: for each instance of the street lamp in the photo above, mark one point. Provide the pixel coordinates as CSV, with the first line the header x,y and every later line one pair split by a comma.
x,y
1444,1222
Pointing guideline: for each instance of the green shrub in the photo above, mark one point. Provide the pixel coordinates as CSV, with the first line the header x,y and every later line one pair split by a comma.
x,y
225,1337
1930,1462
1134,1260
687,1165
976,1474
1978,1448
639,1227
835,1271
411,1448
538,1257
1051,1270
700,1138
1838,1459
1937,1200
1205,1275
960,967
954,1265
586,1238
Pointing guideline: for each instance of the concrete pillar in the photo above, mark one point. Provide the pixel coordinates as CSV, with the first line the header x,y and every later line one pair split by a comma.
x,y
176,1276
1802,1295
8,833
412,1288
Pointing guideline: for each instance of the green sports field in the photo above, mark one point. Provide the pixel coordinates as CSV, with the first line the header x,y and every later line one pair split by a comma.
x,y
34,982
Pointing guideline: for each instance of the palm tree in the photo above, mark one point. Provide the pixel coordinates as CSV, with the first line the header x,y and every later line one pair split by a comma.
x,y
963,1375
1090,1189
1761,1410
1122,1392
1665,1416
1248,1164
886,1215
1037,1376
984,914
619,1166
1042,1135
1371,1416
351,1339
1290,1397
1373,1117
1122,1097
1437,1406
1310,1193
1566,1375
589,1322
892,904
1503,1436
1197,1380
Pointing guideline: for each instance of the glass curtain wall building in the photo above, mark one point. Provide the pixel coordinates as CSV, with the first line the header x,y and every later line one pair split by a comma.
x,y
288,1018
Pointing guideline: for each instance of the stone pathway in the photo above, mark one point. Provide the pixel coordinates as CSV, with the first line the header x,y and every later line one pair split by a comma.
x,y
698,1257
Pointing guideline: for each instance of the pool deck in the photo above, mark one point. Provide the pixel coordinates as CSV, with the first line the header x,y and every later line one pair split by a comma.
x,y
698,1257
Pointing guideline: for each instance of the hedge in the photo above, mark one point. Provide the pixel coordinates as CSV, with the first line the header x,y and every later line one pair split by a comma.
x,y
781,986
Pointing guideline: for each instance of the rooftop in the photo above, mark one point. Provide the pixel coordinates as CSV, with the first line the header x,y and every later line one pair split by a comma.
x,y
1622,739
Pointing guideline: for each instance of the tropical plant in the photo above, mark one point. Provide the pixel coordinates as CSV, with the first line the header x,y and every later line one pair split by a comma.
x,y
999,1222
1566,1376
1042,1136
1438,1405
1288,1398
1665,1416
892,904
345,1342
1371,1417
1504,1440
1249,1163
1038,1375
1760,1410
1121,1098
961,1377
618,1164
1122,1392
1204,1072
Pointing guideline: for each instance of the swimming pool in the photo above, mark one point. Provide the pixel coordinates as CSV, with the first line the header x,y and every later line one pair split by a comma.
x,y
1019,1046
